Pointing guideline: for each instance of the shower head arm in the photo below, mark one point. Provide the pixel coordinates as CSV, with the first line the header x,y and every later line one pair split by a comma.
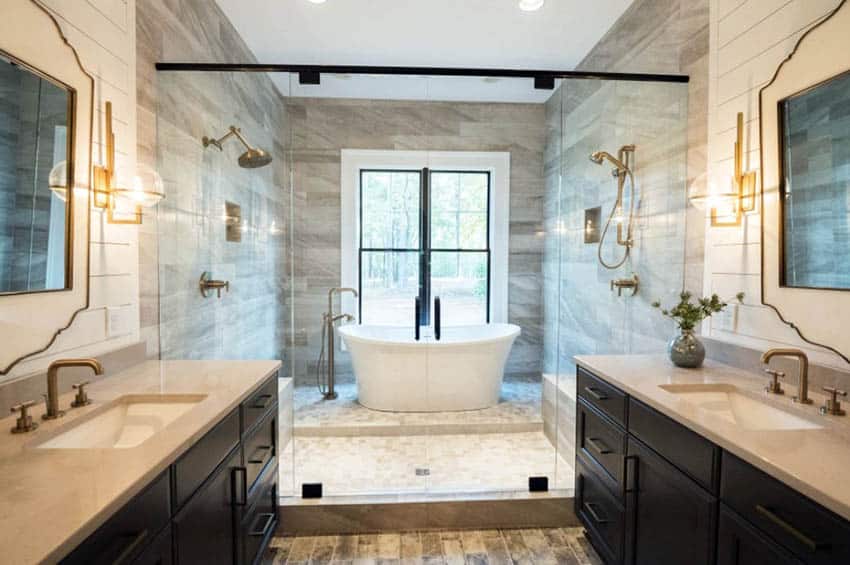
x,y
233,131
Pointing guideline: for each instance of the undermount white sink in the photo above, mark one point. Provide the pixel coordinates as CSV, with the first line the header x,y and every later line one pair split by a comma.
x,y
126,422
729,403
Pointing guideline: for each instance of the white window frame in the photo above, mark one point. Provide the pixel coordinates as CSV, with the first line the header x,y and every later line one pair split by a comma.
x,y
497,163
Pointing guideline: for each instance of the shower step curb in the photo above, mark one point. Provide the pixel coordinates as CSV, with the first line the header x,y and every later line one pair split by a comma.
x,y
375,514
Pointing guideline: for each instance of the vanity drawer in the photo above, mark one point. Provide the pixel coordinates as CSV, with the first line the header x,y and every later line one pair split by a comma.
x,y
259,403
130,530
599,394
690,452
259,448
600,440
261,519
159,552
194,466
601,515
811,532
739,543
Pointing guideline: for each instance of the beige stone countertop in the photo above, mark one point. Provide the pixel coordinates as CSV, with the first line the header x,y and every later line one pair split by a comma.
x,y
811,461
53,499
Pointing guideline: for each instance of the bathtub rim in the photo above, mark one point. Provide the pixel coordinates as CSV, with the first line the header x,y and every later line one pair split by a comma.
x,y
428,341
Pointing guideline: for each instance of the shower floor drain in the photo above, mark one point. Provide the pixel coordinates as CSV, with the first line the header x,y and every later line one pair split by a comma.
x,y
422,472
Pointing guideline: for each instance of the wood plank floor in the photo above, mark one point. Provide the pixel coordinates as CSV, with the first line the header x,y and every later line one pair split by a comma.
x,y
566,546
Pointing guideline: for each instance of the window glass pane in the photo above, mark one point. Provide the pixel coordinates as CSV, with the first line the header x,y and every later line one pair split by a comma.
x,y
444,230
444,191
390,204
459,210
389,287
473,191
473,230
460,280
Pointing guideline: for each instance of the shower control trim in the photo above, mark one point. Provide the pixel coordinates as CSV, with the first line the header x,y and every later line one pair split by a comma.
x,y
207,285
632,283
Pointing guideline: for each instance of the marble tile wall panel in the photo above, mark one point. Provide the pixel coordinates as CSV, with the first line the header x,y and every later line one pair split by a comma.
x,y
187,235
322,127
668,123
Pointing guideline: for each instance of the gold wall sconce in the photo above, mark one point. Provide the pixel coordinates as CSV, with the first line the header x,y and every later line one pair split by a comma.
x,y
123,197
740,198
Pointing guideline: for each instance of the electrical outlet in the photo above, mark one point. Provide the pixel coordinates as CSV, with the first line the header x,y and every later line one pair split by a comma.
x,y
119,320
726,320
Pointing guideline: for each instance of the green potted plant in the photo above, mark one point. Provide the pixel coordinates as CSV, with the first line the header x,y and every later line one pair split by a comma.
x,y
686,350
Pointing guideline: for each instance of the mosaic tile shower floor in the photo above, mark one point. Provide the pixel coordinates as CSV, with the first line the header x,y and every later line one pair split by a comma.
x,y
355,451
460,463
518,410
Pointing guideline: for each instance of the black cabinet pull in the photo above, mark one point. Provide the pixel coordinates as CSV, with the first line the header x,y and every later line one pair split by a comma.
x,y
631,479
589,506
788,528
264,403
264,449
239,484
594,393
131,548
598,445
266,527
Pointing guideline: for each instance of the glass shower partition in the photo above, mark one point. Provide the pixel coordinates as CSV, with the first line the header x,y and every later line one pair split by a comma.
x,y
478,190
585,313
224,222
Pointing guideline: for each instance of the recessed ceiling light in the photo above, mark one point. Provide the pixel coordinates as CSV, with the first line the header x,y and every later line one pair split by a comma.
x,y
317,1
527,5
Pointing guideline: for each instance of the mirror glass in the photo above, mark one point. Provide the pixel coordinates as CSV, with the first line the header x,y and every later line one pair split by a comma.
x,y
815,186
35,147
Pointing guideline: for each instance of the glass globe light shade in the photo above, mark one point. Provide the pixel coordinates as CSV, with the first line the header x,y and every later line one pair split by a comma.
x,y
144,188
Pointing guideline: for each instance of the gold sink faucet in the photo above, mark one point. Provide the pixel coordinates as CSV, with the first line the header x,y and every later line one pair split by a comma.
x,y
803,387
52,396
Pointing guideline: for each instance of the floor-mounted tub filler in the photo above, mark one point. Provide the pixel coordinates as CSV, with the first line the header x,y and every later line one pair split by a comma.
x,y
461,371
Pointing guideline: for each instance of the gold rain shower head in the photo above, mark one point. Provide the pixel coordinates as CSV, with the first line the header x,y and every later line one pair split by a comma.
x,y
253,158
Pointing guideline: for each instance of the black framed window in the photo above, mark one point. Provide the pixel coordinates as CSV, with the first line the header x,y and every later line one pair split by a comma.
x,y
424,233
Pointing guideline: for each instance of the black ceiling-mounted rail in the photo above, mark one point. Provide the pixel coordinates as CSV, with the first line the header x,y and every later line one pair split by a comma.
x,y
542,78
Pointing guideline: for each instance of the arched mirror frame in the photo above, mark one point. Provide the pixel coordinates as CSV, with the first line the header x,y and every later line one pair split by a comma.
x,y
818,315
30,323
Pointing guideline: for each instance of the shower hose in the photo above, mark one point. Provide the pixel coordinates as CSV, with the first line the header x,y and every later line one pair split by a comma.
x,y
621,179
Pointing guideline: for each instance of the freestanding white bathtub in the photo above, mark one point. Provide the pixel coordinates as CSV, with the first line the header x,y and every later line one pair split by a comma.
x,y
462,371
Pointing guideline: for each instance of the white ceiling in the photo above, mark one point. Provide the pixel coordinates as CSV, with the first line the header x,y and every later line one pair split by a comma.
x,y
437,33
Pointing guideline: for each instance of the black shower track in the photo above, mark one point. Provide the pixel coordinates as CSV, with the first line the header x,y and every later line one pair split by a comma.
x,y
542,78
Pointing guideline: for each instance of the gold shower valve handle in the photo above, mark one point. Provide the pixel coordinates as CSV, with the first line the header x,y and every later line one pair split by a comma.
x,y
208,284
632,283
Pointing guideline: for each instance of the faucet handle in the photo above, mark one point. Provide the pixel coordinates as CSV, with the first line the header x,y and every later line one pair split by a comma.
x,y
774,386
24,422
832,406
82,398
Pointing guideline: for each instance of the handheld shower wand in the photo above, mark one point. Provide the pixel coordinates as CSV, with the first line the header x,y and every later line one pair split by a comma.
x,y
622,169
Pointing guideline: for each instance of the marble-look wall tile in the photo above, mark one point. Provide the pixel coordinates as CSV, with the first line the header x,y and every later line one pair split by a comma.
x,y
186,236
668,123
322,127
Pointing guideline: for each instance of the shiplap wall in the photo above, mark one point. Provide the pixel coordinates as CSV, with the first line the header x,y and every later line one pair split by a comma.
x,y
749,39
104,34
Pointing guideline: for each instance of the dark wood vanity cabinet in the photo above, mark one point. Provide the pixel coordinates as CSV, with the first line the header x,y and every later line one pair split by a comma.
x,y
217,503
651,491
669,518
